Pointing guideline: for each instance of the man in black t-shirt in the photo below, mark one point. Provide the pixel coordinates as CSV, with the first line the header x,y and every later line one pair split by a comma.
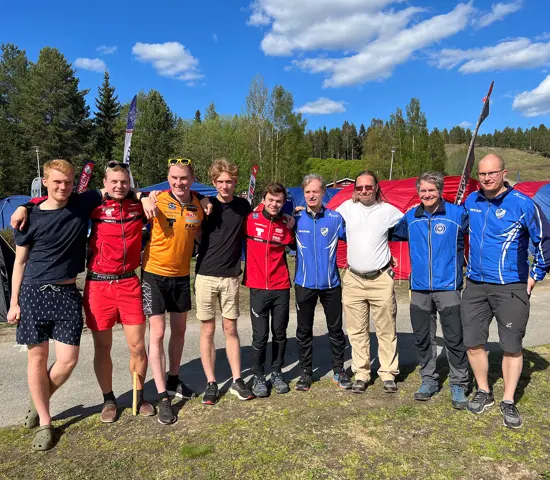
x,y
217,279
45,302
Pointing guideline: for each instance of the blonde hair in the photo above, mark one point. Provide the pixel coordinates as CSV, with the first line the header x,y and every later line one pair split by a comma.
x,y
60,165
223,166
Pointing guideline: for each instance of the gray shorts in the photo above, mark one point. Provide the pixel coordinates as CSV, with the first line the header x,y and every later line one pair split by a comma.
x,y
508,303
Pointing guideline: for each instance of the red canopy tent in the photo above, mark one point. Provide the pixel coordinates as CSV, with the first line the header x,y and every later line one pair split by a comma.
x,y
402,195
530,188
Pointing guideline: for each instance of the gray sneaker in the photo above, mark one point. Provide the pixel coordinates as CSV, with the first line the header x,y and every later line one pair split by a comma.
x,y
259,386
279,383
510,413
481,401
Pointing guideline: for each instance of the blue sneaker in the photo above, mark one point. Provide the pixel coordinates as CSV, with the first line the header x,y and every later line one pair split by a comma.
x,y
425,392
342,380
459,400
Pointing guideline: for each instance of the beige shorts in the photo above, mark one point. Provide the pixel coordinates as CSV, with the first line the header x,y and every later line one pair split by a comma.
x,y
221,290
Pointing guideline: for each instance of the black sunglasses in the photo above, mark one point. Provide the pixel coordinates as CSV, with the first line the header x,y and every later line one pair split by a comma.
x,y
113,164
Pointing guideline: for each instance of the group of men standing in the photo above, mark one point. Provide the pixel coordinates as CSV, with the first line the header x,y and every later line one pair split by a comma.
x,y
51,252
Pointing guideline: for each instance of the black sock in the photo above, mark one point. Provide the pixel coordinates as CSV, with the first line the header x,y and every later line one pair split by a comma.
x,y
173,381
139,396
109,397
163,395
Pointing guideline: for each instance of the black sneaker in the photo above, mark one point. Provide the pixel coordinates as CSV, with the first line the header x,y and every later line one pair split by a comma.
x,y
304,382
390,386
481,401
211,394
278,382
181,391
359,386
240,390
342,380
259,386
510,415
166,415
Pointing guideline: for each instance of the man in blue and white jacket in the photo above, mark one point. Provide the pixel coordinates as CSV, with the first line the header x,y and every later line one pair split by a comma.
x,y
499,279
435,231
318,230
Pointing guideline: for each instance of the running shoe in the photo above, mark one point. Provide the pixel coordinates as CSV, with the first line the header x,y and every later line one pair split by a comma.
x,y
240,390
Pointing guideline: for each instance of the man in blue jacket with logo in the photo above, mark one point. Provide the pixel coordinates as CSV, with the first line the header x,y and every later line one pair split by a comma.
x,y
435,231
499,279
317,278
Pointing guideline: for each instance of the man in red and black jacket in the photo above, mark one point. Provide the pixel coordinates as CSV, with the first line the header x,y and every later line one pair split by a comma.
x,y
266,274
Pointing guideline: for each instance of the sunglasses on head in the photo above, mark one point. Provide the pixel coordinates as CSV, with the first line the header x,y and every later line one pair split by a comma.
x,y
179,161
368,188
113,164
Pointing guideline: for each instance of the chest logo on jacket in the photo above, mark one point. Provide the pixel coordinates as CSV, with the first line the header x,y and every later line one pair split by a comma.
x,y
500,213
324,231
440,228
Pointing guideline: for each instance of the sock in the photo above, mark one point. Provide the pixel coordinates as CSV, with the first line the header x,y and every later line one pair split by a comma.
x,y
481,390
163,395
173,380
509,402
139,396
109,397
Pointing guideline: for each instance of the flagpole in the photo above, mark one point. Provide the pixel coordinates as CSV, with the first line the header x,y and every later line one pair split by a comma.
x,y
470,156
38,170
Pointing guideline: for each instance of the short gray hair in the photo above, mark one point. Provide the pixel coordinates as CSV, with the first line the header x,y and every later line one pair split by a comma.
x,y
431,177
313,176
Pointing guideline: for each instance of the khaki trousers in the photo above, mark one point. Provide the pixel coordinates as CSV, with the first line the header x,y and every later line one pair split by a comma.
x,y
361,297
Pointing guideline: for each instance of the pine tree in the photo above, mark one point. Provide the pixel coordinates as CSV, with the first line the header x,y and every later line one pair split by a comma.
x,y
105,122
198,116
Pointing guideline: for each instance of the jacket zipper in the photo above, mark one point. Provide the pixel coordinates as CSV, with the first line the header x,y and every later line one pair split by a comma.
x,y
267,256
315,248
430,250
123,241
481,245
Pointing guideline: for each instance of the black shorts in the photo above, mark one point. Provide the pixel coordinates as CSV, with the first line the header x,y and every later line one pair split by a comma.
x,y
508,303
165,294
50,311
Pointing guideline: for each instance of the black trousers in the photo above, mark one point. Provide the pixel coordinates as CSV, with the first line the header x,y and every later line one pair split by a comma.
x,y
331,300
264,303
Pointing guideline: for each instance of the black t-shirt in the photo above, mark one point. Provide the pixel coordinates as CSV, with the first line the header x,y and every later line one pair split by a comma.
x,y
57,239
220,251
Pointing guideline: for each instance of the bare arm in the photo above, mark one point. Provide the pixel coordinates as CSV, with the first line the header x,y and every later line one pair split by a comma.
x,y
21,257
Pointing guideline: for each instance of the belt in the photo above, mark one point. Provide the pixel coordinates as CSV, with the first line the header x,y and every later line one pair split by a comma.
x,y
370,275
102,276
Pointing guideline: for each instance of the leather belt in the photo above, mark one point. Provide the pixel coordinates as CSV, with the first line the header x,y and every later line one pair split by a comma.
x,y
102,276
370,275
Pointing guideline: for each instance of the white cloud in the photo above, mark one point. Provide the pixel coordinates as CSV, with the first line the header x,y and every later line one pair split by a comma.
x,y
536,102
498,12
170,59
322,106
215,38
465,124
91,64
506,55
107,50
370,37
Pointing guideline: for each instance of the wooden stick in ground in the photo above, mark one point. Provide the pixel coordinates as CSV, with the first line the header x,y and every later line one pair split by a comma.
x,y
134,397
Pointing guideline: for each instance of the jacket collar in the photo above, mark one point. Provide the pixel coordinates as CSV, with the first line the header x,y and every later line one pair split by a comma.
x,y
269,217
177,200
421,211
320,214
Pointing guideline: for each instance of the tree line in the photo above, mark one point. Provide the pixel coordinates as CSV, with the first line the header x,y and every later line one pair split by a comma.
x,y
42,106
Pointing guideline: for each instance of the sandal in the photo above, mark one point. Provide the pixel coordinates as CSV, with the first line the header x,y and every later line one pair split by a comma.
x,y
44,438
32,420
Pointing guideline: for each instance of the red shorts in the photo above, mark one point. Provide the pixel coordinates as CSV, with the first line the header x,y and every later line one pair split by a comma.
x,y
106,303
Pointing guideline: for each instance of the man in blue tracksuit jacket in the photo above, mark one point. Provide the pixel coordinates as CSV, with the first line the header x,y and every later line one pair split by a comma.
x,y
318,230
499,280
435,231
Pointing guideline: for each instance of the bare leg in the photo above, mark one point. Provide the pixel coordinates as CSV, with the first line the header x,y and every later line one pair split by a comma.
x,y
232,346
208,352
135,338
103,365
512,365
480,365
157,359
178,325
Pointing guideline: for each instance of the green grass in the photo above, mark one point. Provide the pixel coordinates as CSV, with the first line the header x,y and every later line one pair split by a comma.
x,y
530,166
322,434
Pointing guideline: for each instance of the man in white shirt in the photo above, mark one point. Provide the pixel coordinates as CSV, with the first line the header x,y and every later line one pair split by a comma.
x,y
368,283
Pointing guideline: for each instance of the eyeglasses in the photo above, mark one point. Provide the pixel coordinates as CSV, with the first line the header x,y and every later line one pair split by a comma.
x,y
368,188
113,164
489,174
179,161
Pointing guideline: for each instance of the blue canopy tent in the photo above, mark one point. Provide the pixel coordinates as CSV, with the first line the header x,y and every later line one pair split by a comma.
x,y
197,187
542,199
8,206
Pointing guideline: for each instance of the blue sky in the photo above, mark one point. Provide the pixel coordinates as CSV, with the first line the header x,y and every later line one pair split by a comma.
x,y
342,59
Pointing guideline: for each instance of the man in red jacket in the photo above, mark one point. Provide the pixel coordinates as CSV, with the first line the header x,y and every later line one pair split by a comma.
x,y
266,274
